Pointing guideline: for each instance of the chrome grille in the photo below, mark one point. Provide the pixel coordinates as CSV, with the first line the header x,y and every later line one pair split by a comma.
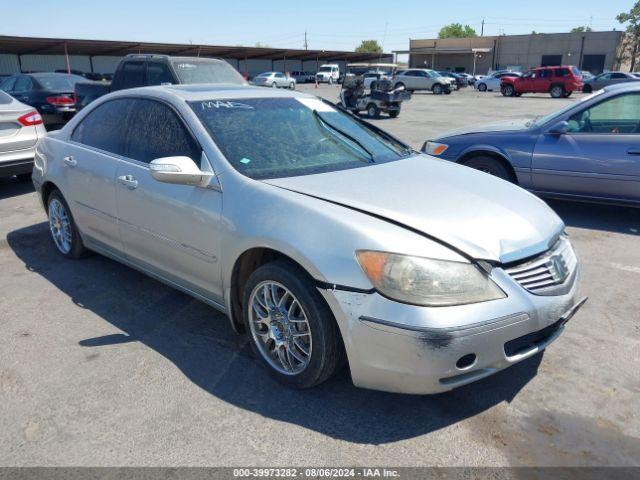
x,y
547,272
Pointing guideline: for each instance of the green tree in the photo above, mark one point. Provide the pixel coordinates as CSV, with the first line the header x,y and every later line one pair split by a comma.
x,y
457,30
261,45
632,41
581,29
369,46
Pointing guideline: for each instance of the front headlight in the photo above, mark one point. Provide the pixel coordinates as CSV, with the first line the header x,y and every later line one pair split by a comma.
x,y
426,281
434,148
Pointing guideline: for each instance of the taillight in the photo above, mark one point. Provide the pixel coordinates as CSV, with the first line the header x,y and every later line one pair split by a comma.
x,y
30,119
61,100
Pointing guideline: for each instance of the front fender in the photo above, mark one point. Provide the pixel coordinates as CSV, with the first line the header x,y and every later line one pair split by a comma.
x,y
320,236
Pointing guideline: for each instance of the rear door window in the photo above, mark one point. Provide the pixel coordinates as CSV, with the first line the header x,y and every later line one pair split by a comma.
x,y
158,74
105,126
156,130
23,84
562,72
133,75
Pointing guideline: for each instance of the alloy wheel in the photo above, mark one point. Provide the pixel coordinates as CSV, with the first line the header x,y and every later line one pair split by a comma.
x,y
60,226
280,328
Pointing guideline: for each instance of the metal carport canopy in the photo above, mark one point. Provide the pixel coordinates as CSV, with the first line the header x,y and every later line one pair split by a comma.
x,y
61,46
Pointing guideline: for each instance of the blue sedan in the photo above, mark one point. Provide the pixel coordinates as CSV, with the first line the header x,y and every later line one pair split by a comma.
x,y
589,150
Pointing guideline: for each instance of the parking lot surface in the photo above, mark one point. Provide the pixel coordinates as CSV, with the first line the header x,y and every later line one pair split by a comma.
x,y
100,365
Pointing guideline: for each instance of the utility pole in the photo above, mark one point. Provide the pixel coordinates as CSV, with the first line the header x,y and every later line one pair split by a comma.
x,y
306,45
482,29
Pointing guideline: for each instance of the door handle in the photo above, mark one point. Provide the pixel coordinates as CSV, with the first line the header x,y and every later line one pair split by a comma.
x,y
70,161
634,151
128,181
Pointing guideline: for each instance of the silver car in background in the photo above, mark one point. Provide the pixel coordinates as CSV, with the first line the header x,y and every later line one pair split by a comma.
x,y
326,240
608,78
20,128
423,79
274,80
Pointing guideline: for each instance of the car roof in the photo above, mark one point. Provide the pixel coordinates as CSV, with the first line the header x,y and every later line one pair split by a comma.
x,y
199,92
623,87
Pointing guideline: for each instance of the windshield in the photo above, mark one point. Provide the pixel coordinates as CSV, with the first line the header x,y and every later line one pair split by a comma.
x,y
284,137
206,71
59,82
539,121
325,69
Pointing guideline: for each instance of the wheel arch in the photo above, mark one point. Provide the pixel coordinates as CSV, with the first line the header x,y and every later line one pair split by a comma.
x,y
244,265
45,191
489,151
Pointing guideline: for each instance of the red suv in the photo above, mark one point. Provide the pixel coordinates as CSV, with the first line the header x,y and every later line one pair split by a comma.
x,y
558,81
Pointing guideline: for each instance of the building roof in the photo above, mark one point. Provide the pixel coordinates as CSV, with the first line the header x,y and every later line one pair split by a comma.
x,y
56,46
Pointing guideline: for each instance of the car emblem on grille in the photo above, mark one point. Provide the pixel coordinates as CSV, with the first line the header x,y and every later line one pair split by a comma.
x,y
558,268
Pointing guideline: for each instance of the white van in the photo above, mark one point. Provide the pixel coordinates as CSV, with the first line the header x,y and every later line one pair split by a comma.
x,y
328,73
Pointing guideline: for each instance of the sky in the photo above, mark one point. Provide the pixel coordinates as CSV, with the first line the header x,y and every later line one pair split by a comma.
x,y
329,24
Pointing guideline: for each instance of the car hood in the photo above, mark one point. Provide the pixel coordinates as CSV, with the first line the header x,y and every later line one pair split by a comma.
x,y
479,215
511,125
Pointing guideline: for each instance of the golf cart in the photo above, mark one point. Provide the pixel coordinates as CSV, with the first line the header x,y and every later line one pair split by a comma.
x,y
380,98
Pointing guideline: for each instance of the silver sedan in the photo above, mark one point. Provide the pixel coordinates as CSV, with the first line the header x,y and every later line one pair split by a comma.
x,y
274,80
20,127
327,241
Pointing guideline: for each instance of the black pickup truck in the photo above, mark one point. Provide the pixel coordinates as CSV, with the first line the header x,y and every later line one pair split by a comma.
x,y
140,70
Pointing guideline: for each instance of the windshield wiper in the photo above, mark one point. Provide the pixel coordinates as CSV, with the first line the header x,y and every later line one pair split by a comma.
x,y
327,125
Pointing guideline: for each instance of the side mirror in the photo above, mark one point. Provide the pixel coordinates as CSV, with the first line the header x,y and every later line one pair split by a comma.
x,y
559,128
178,170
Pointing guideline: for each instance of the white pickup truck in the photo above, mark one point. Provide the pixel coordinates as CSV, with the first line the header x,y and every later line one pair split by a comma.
x,y
328,73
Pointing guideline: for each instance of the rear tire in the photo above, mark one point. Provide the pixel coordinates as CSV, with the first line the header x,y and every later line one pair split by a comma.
x,y
567,94
557,91
274,85
587,89
64,231
491,166
482,87
394,113
400,84
323,345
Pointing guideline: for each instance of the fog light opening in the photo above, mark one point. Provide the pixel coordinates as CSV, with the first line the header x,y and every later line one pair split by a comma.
x,y
466,361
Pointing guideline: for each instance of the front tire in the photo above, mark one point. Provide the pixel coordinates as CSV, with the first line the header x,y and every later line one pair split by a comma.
x,y
373,111
437,89
292,86
482,87
491,166
274,85
291,328
62,226
587,89
330,81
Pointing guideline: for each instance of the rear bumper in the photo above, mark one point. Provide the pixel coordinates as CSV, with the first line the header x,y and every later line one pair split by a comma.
x,y
16,162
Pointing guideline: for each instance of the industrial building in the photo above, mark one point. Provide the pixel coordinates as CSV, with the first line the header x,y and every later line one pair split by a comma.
x,y
32,54
592,51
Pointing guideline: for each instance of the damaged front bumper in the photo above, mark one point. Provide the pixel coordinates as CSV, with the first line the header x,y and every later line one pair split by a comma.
x,y
410,349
